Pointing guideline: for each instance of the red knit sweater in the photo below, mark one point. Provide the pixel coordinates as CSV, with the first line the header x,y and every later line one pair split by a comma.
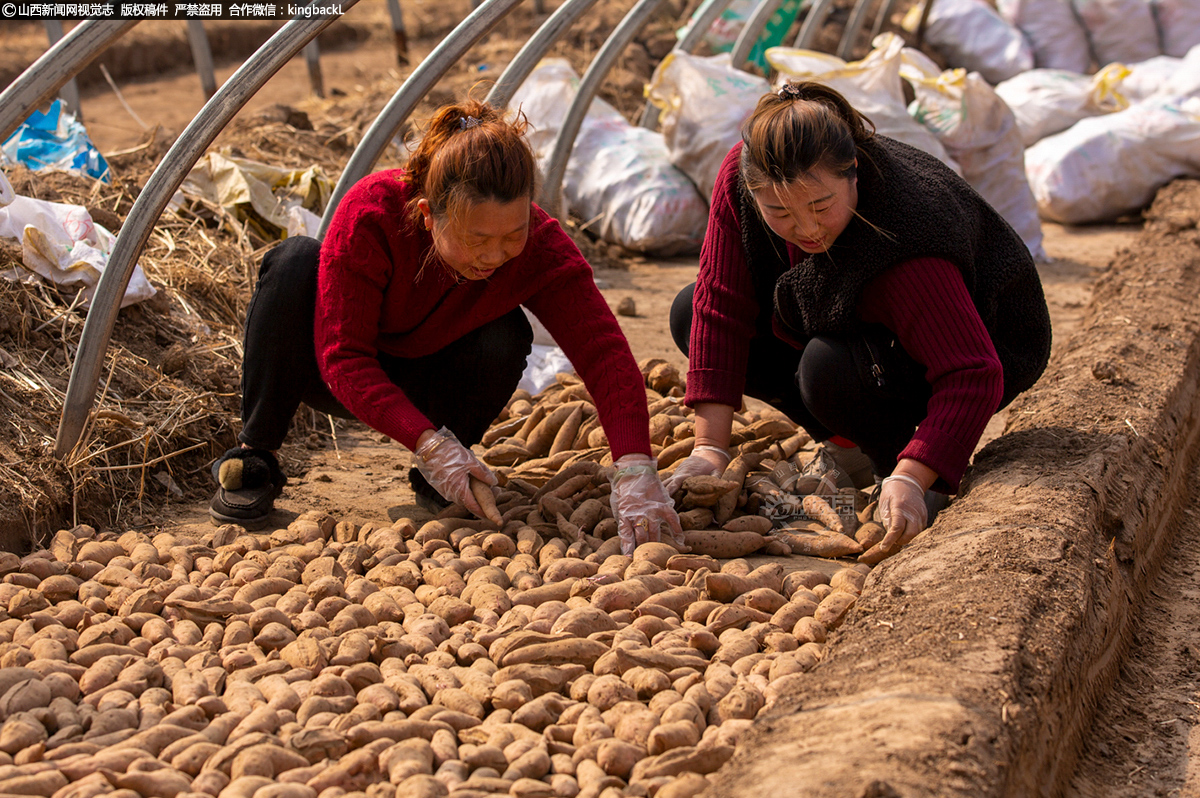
x,y
924,302
382,288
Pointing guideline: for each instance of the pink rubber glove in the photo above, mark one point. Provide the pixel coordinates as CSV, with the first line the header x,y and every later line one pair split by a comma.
x,y
704,461
449,466
902,510
643,510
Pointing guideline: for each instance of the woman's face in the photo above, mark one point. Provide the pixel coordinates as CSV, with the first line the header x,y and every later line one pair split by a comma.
x,y
810,212
481,237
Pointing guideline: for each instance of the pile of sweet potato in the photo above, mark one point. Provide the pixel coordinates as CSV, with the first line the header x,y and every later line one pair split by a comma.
x,y
330,660
520,654
557,436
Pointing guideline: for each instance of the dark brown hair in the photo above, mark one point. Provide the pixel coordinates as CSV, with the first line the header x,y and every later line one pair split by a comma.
x,y
801,127
471,153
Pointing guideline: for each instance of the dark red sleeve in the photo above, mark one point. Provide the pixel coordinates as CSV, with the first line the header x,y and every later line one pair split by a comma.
x,y
577,316
356,265
723,306
926,304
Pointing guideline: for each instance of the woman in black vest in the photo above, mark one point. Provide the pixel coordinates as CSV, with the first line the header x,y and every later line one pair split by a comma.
x,y
862,287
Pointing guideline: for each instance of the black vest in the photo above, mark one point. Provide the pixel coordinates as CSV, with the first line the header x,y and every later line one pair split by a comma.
x,y
910,205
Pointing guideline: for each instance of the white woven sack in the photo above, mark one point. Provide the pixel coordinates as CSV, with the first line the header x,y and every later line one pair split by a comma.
x,y
1185,80
1119,30
1149,77
972,35
1054,32
980,133
1178,25
1047,101
703,102
1105,166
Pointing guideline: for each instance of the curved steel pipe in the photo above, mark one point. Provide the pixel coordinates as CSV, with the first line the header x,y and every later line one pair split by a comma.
x,y
473,28
692,36
167,177
817,14
527,58
750,32
589,84
850,34
45,76
881,19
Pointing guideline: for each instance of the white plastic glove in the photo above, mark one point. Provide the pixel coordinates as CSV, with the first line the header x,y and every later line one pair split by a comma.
x,y
902,510
449,466
704,461
642,507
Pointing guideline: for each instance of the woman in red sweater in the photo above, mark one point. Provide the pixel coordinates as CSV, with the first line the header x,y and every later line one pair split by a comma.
x,y
866,290
408,316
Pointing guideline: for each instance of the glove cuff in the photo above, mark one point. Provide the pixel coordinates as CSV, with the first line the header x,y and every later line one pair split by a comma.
x,y
905,478
631,470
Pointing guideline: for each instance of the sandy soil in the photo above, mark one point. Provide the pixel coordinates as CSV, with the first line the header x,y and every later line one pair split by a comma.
x,y
1142,739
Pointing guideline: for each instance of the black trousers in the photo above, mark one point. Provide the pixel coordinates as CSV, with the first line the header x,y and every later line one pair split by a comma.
x,y
866,389
463,386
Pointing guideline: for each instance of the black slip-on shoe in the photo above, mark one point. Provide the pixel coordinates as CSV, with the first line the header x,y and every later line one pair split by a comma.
x,y
248,482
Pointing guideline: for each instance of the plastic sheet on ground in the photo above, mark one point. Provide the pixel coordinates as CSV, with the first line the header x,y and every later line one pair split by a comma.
x,y
1105,166
1047,101
972,35
703,103
980,132
54,140
545,360
1057,38
61,243
1119,30
871,85
619,177
258,194
1178,25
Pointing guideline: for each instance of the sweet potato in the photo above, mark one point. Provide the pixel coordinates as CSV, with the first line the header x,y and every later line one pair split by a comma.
x,y
721,544
486,498
819,510
869,534
819,544
565,437
833,608
748,523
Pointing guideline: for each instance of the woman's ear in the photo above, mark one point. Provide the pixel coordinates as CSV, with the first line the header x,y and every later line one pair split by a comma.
x,y
426,215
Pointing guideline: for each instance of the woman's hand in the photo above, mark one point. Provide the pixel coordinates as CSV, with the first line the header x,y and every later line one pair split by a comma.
x,y
902,503
704,461
449,466
714,424
643,510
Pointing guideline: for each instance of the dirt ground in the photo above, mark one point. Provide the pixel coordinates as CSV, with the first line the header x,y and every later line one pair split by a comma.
x,y
1144,737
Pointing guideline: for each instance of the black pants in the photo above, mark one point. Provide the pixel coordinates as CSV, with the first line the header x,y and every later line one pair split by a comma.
x,y
831,388
463,387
